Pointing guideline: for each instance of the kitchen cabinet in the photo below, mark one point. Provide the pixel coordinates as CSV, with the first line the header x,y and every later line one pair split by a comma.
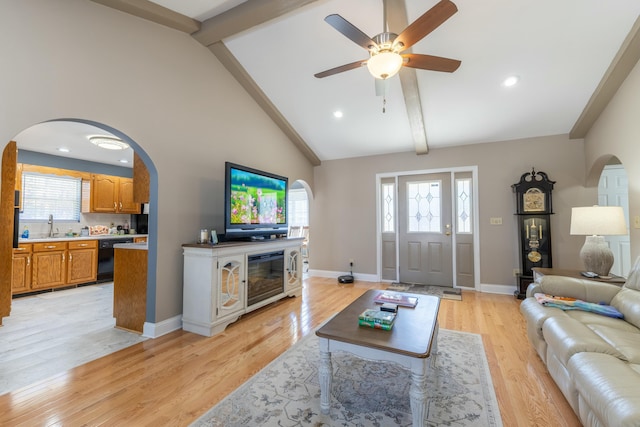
x,y
82,265
21,270
140,239
109,194
49,265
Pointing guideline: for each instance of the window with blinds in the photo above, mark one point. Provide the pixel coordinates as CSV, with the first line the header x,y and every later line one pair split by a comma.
x,y
44,195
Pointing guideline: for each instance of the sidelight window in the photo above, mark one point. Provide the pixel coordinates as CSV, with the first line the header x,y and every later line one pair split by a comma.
x,y
463,205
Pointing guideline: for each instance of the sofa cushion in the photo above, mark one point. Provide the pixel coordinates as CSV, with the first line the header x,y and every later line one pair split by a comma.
x,y
596,319
627,301
609,387
626,342
585,290
566,336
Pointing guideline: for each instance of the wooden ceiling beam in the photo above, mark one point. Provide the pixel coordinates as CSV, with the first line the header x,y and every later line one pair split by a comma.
x,y
240,74
244,16
155,13
396,13
627,57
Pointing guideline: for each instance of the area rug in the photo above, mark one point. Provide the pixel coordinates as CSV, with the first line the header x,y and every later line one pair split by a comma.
x,y
364,394
439,291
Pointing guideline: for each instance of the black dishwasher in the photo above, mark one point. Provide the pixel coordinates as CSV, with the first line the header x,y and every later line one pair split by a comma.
x,y
105,257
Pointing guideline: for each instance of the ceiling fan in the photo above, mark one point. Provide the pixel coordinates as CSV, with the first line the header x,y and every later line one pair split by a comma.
x,y
385,49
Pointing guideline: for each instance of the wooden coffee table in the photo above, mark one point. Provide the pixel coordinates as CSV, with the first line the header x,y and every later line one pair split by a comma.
x,y
410,343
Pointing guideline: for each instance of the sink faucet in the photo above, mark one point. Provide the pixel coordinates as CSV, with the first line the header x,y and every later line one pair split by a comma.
x,y
50,222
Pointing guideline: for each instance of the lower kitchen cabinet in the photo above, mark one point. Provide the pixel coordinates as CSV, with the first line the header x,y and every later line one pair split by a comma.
x,y
82,266
21,271
49,265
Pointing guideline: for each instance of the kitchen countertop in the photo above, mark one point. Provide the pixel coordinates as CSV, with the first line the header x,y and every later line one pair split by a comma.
x,y
142,246
67,238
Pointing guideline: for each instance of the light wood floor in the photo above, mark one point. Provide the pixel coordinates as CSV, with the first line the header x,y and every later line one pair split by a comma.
x,y
172,380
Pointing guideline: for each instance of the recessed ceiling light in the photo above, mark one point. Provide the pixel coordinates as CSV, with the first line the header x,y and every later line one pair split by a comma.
x,y
511,81
108,142
124,161
63,149
337,114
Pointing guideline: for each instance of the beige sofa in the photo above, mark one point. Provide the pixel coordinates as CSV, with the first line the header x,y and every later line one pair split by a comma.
x,y
594,359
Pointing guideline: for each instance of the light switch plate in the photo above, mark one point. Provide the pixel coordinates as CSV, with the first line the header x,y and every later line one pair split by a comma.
x,y
636,221
495,221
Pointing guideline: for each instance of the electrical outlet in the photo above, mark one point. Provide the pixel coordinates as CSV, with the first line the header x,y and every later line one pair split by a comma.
x,y
636,221
350,261
516,271
495,221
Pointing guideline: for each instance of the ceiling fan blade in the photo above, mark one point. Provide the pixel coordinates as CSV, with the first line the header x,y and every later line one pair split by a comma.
x,y
428,22
429,62
341,69
350,31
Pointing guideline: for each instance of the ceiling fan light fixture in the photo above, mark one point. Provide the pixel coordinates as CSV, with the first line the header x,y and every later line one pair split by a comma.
x,y
108,142
384,65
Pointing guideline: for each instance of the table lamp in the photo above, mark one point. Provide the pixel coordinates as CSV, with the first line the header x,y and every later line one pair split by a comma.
x,y
596,222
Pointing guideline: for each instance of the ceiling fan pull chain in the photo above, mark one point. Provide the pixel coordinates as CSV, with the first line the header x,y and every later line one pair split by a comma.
x,y
384,104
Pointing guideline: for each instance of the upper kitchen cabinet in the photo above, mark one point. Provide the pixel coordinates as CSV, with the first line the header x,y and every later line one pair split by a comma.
x,y
109,194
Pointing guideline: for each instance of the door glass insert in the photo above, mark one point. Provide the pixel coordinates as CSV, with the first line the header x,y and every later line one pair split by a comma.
x,y
388,214
424,206
463,205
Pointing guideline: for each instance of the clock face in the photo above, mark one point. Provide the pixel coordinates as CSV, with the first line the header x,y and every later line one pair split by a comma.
x,y
533,200
534,256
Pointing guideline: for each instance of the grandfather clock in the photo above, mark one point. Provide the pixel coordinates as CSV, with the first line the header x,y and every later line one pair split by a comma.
x,y
533,211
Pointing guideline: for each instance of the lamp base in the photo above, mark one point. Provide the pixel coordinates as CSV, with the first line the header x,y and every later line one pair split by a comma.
x,y
596,255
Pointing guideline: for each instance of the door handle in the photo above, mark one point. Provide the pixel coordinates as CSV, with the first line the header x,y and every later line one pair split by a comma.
x,y
448,230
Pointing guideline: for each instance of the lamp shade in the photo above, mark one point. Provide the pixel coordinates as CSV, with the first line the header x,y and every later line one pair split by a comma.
x,y
598,220
384,64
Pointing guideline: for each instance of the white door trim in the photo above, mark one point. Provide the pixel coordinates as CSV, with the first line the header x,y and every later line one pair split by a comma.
x,y
476,213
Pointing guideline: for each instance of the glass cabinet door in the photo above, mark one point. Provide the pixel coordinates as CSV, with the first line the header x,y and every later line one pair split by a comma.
x,y
294,270
230,285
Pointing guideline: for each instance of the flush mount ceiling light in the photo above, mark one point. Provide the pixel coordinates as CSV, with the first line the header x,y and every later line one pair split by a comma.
x,y
108,142
511,81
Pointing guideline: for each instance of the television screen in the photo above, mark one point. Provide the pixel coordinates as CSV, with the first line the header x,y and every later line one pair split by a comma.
x,y
254,199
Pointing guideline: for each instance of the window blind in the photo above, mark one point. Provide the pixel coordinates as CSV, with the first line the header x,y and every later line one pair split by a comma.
x,y
44,195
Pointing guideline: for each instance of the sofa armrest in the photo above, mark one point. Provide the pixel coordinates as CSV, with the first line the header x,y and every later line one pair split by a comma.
x,y
585,290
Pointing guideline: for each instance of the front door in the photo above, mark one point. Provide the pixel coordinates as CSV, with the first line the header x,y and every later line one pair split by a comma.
x,y
425,229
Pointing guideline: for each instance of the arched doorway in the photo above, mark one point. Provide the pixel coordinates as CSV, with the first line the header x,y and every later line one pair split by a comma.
x,y
613,190
298,216
71,131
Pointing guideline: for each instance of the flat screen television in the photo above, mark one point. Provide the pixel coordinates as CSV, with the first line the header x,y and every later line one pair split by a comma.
x,y
255,203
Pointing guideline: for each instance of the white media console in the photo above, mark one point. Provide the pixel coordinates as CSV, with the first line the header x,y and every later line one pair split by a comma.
x,y
224,281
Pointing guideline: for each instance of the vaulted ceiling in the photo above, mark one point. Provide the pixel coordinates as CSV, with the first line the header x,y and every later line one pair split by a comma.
x,y
567,54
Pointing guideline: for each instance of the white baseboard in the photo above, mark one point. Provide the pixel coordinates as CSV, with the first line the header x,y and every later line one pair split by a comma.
x,y
155,330
497,289
335,274
484,287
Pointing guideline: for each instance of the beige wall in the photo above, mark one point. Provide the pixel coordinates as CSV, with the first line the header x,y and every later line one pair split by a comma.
x,y
78,59
344,204
617,133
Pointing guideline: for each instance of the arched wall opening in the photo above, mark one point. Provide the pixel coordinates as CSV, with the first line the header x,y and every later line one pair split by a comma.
x,y
609,176
150,311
